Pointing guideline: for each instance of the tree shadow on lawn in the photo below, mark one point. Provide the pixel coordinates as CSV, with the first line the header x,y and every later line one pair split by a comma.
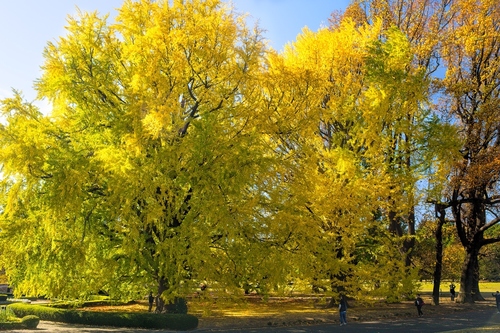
x,y
278,312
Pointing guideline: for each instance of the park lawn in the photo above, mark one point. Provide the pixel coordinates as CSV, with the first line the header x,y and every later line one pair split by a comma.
x,y
255,311
486,287
297,311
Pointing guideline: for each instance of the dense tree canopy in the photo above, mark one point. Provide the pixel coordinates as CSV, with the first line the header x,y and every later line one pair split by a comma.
x,y
346,127
148,169
180,150
472,85
456,42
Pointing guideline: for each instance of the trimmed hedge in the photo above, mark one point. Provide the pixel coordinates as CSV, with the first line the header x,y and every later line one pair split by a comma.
x,y
118,319
30,322
27,322
79,304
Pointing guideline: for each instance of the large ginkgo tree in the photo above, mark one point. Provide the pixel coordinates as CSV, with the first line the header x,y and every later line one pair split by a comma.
x,y
349,109
148,171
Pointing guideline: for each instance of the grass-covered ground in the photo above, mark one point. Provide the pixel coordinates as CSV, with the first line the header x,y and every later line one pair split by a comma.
x,y
486,287
255,311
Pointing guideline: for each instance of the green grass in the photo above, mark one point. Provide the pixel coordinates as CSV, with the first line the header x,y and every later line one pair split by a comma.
x,y
485,287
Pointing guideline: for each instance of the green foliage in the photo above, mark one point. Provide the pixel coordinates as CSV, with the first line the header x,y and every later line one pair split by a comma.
x,y
7,315
490,257
11,325
30,321
490,263
354,183
424,253
178,305
8,321
142,320
150,165
178,150
83,303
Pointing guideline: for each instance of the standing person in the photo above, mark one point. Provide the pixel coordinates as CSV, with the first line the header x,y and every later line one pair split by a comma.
x,y
419,302
151,299
497,298
343,310
452,291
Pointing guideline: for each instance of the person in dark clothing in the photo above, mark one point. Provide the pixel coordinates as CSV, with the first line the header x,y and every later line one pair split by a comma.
x,y
419,302
151,299
343,310
452,291
497,298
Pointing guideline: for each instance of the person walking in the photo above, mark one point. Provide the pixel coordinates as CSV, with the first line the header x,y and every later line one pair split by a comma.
x,y
151,299
419,302
452,291
497,299
343,310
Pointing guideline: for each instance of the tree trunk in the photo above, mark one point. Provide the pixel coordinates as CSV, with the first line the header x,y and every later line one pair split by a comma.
x,y
469,280
440,214
396,228
409,242
162,286
476,292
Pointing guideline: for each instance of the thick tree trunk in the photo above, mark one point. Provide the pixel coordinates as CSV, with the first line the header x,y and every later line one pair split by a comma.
x,y
469,280
470,219
440,214
476,292
162,286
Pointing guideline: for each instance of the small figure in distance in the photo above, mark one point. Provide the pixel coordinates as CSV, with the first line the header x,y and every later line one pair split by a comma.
x,y
343,310
497,299
419,302
151,299
452,291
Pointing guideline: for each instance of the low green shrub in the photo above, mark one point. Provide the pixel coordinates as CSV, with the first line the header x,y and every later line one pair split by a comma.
x,y
8,321
30,321
117,319
178,305
86,303
11,325
6,316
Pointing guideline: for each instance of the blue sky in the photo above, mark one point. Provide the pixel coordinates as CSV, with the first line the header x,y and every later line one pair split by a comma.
x,y
27,25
